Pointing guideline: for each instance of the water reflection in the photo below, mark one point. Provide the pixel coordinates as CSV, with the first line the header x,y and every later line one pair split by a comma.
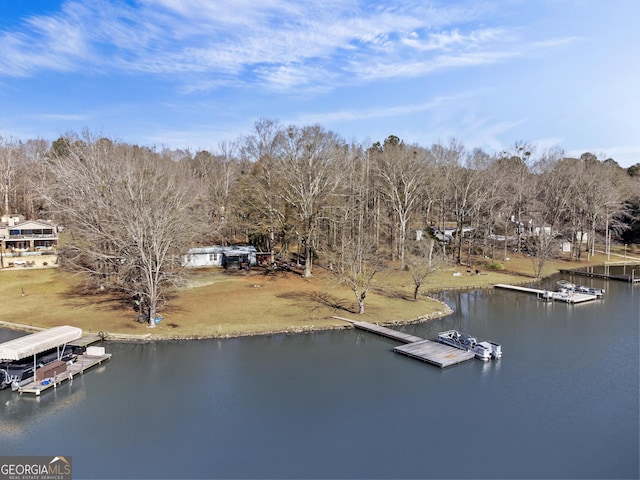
x,y
21,413
341,404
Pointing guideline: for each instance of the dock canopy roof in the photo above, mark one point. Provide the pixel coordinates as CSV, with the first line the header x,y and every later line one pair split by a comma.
x,y
38,342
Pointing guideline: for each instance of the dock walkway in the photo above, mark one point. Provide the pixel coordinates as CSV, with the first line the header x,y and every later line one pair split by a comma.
x,y
416,347
387,332
47,379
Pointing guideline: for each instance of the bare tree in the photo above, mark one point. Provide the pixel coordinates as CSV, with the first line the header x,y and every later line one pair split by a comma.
x,y
462,174
265,142
307,164
215,177
127,216
594,203
541,246
489,208
554,185
258,192
423,262
11,156
30,176
357,260
359,263
399,170
518,187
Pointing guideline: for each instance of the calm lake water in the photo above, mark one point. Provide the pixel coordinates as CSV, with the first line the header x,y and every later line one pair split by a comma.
x,y
561,403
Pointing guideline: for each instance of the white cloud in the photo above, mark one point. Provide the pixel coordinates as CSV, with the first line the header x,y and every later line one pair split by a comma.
x,y
285,44
447,40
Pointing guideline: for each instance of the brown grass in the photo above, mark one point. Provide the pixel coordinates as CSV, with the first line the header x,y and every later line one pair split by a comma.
x,y
217,304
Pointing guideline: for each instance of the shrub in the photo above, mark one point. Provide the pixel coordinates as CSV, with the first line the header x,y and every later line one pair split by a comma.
x,y
494,266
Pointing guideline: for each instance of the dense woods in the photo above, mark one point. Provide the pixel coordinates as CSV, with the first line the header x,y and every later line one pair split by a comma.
x,y
130,211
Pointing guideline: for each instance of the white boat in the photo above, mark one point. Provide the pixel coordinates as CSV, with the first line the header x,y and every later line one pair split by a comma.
x,y
565,286
482,350
568,287
563,295
598,292
496,350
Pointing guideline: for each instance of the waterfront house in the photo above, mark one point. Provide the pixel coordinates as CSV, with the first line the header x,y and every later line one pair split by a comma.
x,y
18,236
216,256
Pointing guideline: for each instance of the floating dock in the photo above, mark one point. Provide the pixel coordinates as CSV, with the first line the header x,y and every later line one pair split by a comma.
x,y
82,363
435,353
569,297
417,347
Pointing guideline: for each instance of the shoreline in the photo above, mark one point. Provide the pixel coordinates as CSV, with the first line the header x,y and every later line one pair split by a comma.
x,y
517,278
150,338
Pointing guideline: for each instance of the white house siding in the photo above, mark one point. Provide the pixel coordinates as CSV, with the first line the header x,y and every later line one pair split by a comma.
x,y
214,256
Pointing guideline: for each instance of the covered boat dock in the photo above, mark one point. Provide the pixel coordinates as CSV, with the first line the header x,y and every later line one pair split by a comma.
x,y
53,339
31,345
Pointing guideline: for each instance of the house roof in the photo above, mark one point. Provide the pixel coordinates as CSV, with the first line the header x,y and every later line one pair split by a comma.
x,y
28,345
196,250
28,224
231,249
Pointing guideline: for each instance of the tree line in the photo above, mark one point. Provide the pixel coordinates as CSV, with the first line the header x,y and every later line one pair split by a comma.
x,y
130,211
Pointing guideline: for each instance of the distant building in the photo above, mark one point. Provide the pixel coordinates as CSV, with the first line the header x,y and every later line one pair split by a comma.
x,y
445,235
216,256
18,235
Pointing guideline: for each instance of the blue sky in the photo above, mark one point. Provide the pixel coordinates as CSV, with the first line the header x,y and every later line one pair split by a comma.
x,y
193,74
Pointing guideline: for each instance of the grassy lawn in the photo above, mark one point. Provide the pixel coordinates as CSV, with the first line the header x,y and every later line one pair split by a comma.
x,y
217,304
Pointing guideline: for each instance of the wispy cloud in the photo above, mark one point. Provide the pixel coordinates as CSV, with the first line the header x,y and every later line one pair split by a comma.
x,y
280,44
410,68
62,116
379,112
453,39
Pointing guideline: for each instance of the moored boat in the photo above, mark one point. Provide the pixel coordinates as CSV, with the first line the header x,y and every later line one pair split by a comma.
x,y
568,287
22,358
565,285
496,350
598,292
482,350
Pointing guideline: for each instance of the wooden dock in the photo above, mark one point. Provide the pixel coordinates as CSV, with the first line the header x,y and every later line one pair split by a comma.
x,y
435,353
624,278
86,340
387,332
570,297
49,378
416,347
